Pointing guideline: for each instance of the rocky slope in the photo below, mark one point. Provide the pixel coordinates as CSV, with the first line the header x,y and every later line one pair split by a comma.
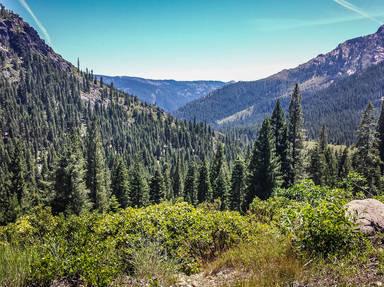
x,y
19,40
245,103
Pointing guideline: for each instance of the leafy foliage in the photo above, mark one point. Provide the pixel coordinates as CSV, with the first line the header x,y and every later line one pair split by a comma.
x,y
97,248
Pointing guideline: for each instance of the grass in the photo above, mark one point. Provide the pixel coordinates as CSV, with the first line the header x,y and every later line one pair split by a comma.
x,y
150,263
15,266
269,260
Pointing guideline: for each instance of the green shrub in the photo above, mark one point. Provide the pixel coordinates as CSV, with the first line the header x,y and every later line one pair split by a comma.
x,y
306,191
97,248
270,210
326,230
314,216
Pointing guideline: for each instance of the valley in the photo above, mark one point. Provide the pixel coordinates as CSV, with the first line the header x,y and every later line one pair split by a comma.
x,y
124,181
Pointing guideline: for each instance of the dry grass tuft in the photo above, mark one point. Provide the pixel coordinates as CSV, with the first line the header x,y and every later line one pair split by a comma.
x,y
269,260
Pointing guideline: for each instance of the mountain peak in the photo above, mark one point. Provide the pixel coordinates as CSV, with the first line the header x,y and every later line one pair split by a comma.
x,y
380,30
18,40
252,99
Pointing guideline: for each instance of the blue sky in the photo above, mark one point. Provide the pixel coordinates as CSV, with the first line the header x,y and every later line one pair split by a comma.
x,y
197,39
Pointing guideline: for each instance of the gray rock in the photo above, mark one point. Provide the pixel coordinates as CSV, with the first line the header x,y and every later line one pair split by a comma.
x,y
368,214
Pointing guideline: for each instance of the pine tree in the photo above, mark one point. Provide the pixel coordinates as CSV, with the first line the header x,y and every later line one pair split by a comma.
x,y
157,188
321,168
71,194
295,137
280,133
79,194
263,169
97,171
368,155
380,135
9,205
177,185
190,186
167,182
216,166
120,184
222,188
317,168
237,185
204,190
138,185
329,157
344,165
18,186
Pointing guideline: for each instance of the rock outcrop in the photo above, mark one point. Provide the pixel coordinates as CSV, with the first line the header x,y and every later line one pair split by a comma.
x,y
368,214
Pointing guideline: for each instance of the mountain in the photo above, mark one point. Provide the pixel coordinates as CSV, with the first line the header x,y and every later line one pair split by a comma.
x,y
167,94
44,98
246,103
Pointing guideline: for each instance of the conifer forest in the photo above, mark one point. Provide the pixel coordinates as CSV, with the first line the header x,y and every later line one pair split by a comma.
x,y
100,188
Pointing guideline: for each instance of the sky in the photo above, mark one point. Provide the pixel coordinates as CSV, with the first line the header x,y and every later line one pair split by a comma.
x,y
197,39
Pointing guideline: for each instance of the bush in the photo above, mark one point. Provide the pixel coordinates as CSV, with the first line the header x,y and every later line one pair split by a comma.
x,y
306,191
270,210
314,216
97,248
326,230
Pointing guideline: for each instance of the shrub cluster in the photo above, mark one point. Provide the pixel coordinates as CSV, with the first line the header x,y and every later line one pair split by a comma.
x,y
97,248
315,218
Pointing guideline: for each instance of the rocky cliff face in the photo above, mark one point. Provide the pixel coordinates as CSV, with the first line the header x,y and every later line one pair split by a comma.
x,y
348,58
18,40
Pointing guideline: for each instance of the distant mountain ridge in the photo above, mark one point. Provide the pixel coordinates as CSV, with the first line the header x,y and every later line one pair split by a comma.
x,y
167,94
246,103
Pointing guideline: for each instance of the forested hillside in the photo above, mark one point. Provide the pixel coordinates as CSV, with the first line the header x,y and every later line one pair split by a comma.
x,y
51,112
100,189
245,104
167,94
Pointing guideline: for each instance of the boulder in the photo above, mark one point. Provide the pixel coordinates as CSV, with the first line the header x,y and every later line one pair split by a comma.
x,y
368,214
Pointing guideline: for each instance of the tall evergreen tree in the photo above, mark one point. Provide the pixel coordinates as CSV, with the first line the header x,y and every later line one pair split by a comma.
x,y
177,182
367,157
221,185
97,172
138,185
18,185
344,164
120,184
295,137
317,167
280,133
237,185
330,158
190,186
322,167
71,194
216,166
9,205
380,135
263,170
167,182
157,188
204,190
